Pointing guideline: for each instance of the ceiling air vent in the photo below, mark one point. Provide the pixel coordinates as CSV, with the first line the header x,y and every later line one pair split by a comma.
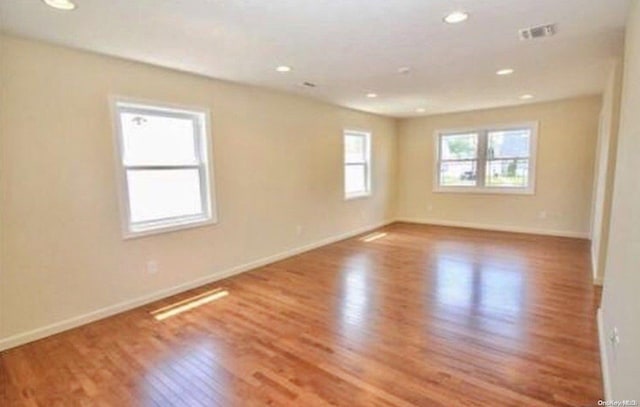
x,y
538,32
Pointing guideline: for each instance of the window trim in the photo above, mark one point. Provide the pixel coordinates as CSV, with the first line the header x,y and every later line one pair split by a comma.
x,y
204,165
368,163
482,160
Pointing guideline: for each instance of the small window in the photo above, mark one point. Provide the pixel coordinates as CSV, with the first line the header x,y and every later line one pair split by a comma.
x,y
163,166
497,159
357,164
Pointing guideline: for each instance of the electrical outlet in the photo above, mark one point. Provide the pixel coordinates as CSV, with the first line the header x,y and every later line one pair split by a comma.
x,y
299,230
614,337
429,208
152,267
542,215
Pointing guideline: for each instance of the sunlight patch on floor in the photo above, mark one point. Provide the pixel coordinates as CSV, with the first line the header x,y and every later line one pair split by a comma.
x,y
188,304
373,236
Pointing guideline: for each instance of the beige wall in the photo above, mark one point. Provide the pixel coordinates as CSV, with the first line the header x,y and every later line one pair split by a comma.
x,y
620,302
605,170
278,162
564,180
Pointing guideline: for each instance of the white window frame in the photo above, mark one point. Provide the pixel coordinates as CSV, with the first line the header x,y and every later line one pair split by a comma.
x,y
482,132
204,153
367,163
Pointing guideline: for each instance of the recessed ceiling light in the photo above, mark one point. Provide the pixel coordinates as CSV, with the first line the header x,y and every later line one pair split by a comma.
x,y
403,70
526,96
456,17
506,71
372,95
283,68
421,110
66,5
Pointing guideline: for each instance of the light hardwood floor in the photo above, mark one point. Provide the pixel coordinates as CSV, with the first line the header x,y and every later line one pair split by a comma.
x,y
423,316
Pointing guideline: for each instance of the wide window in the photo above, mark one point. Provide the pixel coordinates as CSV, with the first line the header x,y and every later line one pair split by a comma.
x,y
163,166
498,159
357,164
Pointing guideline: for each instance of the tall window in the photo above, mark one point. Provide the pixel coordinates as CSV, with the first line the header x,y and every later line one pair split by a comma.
x,y
357,164
498,159
163,166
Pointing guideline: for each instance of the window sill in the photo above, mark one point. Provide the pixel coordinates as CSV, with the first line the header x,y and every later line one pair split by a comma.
x,y
168,227
360,195
485,191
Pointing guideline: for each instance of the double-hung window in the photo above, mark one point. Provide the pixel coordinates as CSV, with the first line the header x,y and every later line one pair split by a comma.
x,y
163,160
357,164
497,159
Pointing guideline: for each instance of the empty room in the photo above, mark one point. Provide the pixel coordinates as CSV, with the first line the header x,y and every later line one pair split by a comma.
x,y
319,203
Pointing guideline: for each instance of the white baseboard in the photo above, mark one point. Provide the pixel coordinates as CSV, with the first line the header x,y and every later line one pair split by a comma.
x,y
604,360
499,228
64,325
597,279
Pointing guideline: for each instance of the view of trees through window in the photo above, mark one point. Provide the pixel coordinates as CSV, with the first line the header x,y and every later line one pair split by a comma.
x,y
459,155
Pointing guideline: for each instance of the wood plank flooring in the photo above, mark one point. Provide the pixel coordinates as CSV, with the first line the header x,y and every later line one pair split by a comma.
x,y
412,315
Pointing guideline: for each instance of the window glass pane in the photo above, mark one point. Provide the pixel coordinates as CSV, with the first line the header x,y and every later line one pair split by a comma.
x,y
157,140
355,179
161,194
355,149
507,173
458,146
458,173
508,143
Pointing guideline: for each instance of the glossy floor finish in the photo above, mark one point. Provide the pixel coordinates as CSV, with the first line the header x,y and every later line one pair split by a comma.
x,y
411,315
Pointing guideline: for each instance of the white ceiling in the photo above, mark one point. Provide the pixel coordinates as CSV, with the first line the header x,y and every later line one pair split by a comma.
x,y
352,47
